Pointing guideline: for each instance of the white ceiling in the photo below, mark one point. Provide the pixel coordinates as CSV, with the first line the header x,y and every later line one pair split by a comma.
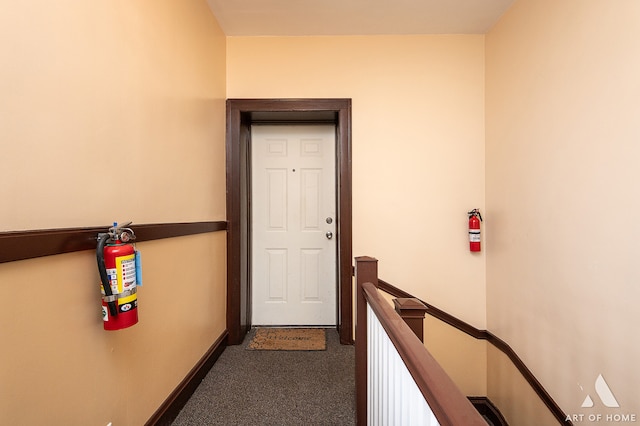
x,y
356,17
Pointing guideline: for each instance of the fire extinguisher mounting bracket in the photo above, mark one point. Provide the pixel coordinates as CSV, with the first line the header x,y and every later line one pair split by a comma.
x,y
120,233
115,297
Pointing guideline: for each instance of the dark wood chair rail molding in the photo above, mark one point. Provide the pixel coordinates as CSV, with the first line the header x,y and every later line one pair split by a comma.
x,y
21,245
446,400
497,342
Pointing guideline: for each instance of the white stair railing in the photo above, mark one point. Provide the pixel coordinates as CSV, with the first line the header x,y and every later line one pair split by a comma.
x,y
393,398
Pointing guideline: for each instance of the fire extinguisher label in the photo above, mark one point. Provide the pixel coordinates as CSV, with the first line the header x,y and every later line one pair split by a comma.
x,y
126,270
113,281
474,236
126,307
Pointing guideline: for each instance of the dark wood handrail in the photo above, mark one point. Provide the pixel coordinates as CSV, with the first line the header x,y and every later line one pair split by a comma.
x,y
446,400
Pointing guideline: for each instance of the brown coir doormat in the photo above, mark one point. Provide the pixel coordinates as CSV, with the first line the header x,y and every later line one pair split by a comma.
x,y
288,339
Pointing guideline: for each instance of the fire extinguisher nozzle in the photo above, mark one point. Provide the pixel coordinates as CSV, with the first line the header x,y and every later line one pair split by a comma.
x,y
475,212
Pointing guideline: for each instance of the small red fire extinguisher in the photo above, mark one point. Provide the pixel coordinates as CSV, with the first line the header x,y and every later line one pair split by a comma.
x,y
117,265
474,229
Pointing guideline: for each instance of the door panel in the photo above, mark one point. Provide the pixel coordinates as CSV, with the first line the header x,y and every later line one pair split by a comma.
x,y
276,275
277,199
293,193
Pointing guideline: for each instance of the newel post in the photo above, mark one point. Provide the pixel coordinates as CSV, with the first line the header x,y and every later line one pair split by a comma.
x,y
366,272
412,311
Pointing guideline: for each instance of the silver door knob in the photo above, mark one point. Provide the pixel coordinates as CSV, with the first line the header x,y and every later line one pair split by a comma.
x,y
329,235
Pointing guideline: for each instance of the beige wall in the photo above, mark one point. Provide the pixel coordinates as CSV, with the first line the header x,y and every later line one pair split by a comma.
x,y
418,146
463,357
562,196
110,110
60,367
97,97
511,393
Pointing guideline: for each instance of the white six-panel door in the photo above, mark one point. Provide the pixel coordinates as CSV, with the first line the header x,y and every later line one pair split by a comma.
x,y
293,225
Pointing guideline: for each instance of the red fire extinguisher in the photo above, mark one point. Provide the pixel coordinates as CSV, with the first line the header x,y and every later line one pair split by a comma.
x,y
474,229
117,267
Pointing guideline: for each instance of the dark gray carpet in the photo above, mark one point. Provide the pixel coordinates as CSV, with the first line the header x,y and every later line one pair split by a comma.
x,y
276,388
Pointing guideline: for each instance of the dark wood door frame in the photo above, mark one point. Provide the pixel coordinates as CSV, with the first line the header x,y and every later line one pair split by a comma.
x,y
241,113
